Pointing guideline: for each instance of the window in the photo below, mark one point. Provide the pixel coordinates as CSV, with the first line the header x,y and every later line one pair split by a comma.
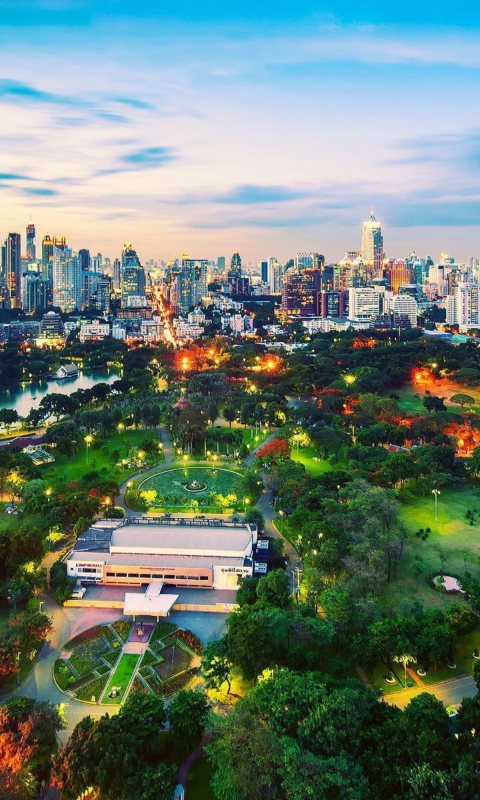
x,y
133,575
121,575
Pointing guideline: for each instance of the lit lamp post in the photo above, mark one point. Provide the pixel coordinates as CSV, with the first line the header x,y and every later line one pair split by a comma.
x,y
88,441
120,427
436,492
281,514
246,501
48,493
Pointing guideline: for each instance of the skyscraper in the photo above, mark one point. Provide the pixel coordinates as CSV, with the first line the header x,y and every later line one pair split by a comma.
x,y
31,247
84,258
133,274
372,244
47,255
67,279
12,269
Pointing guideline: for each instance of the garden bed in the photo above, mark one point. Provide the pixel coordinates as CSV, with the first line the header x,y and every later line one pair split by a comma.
x,y
92,689
161,630
174,685
150,658
85,657
190,639
175,660
111,657
64,676
85,636
122,627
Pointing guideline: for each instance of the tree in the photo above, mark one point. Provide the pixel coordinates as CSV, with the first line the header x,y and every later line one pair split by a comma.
x,y
230,413
433,403
152,783
8,417
216,666
276,451
247,591
405,659
255,516
462,400
188,713
273,589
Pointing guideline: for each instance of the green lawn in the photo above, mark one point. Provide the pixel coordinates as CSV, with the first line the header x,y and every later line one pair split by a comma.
x,y
99,458
451,535
169,488
198,780
121,678
411,397
308,456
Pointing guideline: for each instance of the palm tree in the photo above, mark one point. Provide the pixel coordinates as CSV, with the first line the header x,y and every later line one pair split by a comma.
x,y
405,659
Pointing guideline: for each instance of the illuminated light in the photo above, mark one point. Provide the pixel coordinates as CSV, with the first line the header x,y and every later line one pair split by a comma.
x,y
349,379
434,365
418,376
271,364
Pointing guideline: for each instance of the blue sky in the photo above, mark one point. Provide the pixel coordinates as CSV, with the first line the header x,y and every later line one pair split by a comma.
x,y
265,127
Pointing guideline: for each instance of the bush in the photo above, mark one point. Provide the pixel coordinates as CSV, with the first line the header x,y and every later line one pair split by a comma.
x,y
188,638
161,630
63,674
92,689
85,636
123,628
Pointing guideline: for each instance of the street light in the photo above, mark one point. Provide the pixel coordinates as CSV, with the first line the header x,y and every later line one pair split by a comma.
x,y
120,426
48,492
436,492
88,441
282,514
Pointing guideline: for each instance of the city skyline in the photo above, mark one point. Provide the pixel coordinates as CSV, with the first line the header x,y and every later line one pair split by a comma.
x,y
267,131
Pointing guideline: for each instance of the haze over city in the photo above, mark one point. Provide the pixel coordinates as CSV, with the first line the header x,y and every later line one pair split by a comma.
x,y
213,129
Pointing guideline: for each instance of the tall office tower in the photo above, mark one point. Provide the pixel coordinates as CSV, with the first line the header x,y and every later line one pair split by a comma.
x,y
398,273
103,295
264,271
84,258
133,275
47,256
301,292
31,246
117,274
404,305
372,244
67,280
35,292
12,269
221,263
129,255
191,282
275,275
235,270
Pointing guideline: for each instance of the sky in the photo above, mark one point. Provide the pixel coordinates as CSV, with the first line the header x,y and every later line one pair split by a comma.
x,y
263,127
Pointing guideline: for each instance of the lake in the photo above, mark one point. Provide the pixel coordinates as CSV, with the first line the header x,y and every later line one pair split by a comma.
x,y
24,397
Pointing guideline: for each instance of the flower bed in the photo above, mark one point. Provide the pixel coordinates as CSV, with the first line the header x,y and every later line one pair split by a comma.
x,y
102,669
81,682
85,636
123,628
108,634
87,656
189,638
161,630
92,689
174,685
139,686
175,660
111,657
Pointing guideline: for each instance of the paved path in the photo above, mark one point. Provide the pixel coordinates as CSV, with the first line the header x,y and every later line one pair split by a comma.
x,y
182,775
40,684
451,693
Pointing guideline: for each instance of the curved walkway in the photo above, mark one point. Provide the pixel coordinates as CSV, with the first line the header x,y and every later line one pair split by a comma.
x,y
182,775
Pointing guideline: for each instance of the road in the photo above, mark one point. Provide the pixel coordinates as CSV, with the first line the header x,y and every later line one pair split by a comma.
x,y
451,693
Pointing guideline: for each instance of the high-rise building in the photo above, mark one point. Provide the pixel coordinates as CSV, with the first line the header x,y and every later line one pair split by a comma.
x,y
301,292
235,270
117,274
67,279
133,275
12,269
364,303
372,244
463,307
47,256
405,305
275,275
264,271
309,260
35,292
398,273
334,304
84,258
221,263
191,282
31,245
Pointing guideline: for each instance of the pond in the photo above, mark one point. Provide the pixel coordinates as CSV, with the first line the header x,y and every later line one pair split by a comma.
x,y
23,397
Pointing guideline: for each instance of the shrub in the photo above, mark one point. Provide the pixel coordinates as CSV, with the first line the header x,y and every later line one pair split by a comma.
x,y
60,584
63,674
85,636
123,628
161,630
92,689
188,638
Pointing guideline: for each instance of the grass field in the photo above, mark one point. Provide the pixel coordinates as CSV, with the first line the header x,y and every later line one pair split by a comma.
x,y
121,678
307,456
451,536
217,481
99,459
411,397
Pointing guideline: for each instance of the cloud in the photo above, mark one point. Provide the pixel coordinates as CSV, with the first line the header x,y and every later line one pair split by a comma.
x,y
11,176
133,102
40,192
149,157
251,194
